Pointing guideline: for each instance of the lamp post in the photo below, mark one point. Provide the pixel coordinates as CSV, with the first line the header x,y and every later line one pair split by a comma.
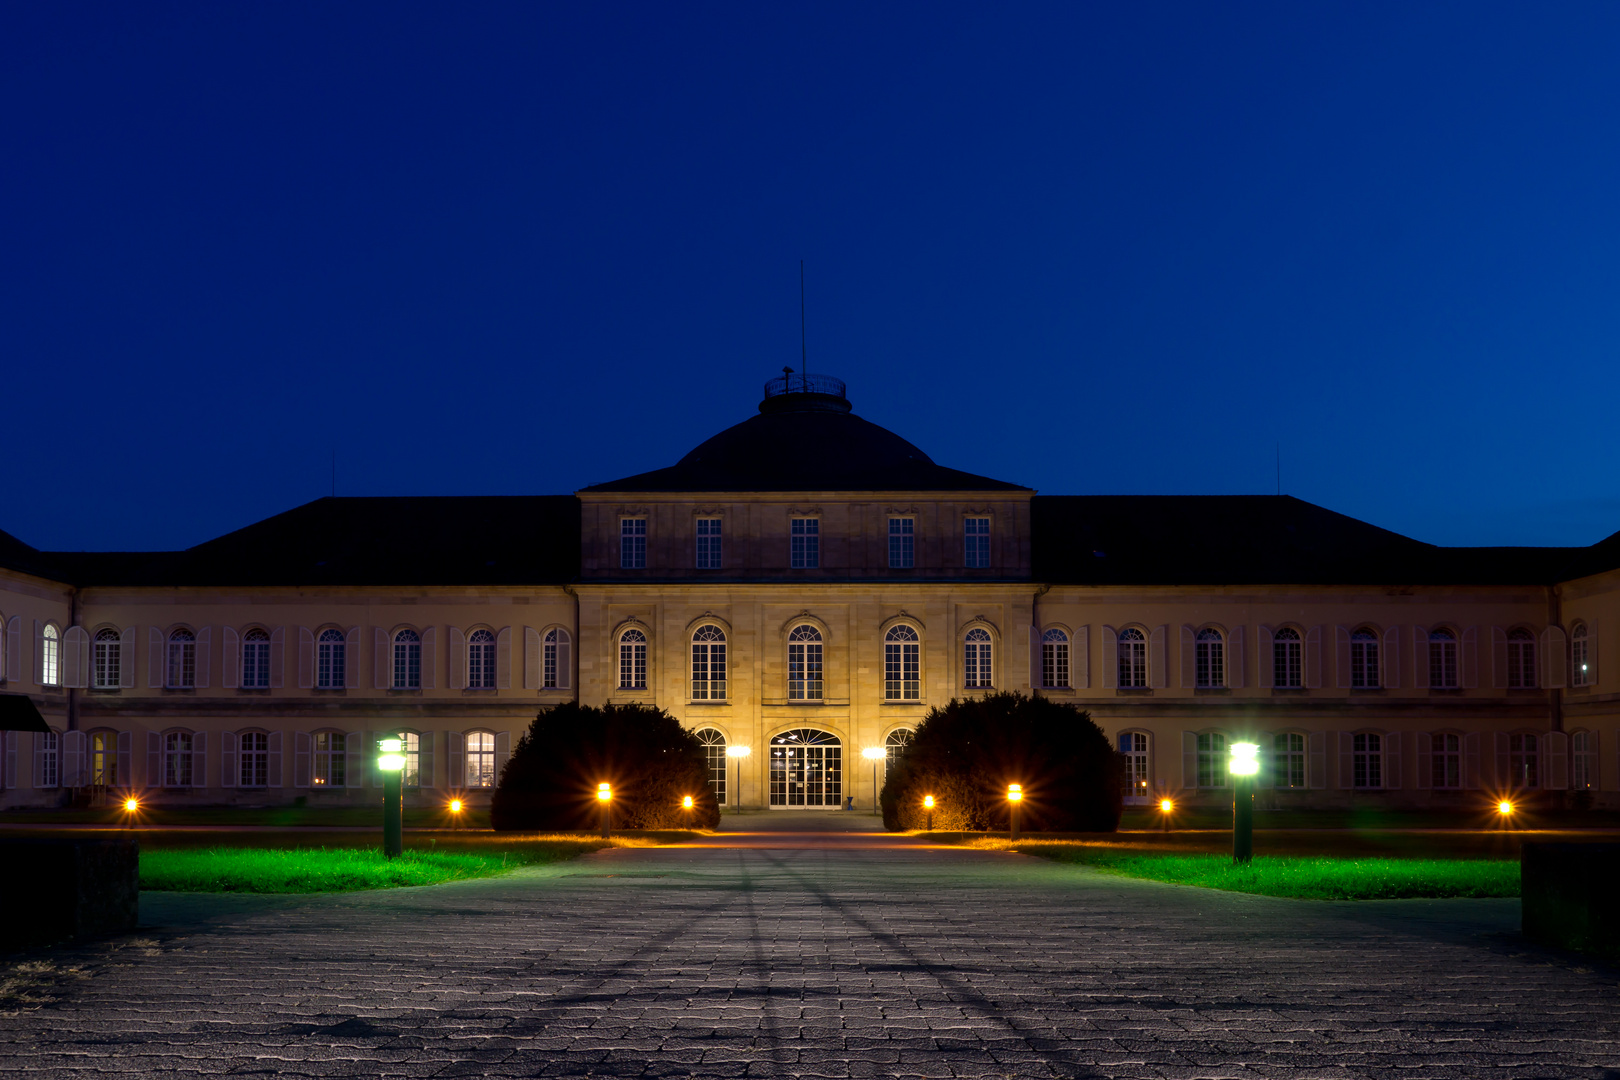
x,y
1243,765
132,806
1015,795
604,799
737,753
1166,808
874,754
455,814
391,763
928,805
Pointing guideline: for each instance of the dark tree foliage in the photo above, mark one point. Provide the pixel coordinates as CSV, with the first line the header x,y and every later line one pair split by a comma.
x,y
651,761
966,754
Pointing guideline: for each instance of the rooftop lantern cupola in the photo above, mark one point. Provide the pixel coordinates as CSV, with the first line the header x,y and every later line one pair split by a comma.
x,y
801,391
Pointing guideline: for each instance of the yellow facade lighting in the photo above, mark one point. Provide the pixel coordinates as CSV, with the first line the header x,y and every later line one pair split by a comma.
x,y
738,751
872,753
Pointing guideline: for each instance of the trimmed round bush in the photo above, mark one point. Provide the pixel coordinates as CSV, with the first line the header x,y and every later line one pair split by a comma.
x,y
966,753
652,762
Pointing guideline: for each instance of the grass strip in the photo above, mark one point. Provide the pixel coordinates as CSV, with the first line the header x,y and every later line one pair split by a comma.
x,y
1298,877
316,870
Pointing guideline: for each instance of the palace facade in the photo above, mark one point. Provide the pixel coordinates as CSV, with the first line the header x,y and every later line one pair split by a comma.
x,y
805,586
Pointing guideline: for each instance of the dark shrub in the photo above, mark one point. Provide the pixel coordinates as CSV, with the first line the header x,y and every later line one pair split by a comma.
x,y
966,754
651,761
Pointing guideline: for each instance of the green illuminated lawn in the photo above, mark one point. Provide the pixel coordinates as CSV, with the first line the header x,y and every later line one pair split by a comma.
x,y
311,870
1300,877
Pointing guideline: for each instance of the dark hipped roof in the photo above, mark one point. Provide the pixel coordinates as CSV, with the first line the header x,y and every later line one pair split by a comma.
x,y
418,540
806,449
1264,539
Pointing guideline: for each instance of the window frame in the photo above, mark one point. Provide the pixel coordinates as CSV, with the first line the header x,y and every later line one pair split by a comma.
x,y
709,539
804,543
902,542
328,758
1131,658
1287,658
50,656
902,655
1209,659
481,644
707,646
475,758
636,658
178,748
407,657
259,669
107,659
180,659
1445,754
714,752
1443,656
1138,764
976,542
1055,659
1580,655
1367,761
1583,761
1290,761
103,758
1366,659
1522,673
332,659
49,751
632,543
806,654
1213,751
978,659
247,757
1525,751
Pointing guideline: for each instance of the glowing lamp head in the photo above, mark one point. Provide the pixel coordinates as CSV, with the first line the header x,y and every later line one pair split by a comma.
x,y
686,803
872,753
1015,792
1504,808
455,806
604,792
132,805
1245,759
1167,805
928,802
738,751
392,754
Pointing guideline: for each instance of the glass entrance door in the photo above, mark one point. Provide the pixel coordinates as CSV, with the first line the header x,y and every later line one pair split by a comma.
x,y
806,769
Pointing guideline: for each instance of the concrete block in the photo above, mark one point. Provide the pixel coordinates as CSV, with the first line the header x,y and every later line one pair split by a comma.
x,y
62,889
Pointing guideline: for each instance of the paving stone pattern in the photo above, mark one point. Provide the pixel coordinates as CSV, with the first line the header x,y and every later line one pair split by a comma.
x,y
854,956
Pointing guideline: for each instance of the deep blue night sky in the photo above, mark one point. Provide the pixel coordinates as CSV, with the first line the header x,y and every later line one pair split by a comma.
x,y
1095,249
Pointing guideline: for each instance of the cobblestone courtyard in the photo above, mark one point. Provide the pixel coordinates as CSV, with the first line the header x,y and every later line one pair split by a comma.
x,y
779,954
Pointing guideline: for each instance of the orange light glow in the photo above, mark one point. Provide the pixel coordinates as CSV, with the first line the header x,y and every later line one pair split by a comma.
x,y
1504,808
455,806
604,792
686,803
1015,792
1167,805
132,805
928,802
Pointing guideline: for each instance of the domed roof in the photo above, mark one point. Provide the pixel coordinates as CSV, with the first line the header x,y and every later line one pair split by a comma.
x,y
806,440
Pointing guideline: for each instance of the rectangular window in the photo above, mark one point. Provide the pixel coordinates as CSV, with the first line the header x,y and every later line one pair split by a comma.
x,y
806,553
1583,760
182,663
1446,767
1212,761
1580,671
50,758
1134,745
1055,661
1132,659
902,671
1523,761
50,659
331,759
1367,761
108,664
1363,662
1443,661
480,760
976,542
804,669
1521,662
177,759
1288,760
633,661
412,776
902,543
104,759
633,543
1286,656
331,669
708,543
1209,655
256,661
550,680
254,759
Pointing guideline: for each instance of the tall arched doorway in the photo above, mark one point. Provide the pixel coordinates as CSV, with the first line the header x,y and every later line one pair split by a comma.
x,y
807,769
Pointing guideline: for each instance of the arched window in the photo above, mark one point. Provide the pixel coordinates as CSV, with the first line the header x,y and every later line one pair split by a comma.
x,y
894,746
1132,658
1367,760
107,660
977,671
804,663
1288,759
1364,674
50,656
255,660
1583,761
481,760
806,768
182,659
1442,659
714,749
1580,669
253,759
1524,760
1287,659
1209,656
1134,745
709,664
1055,660
177,759
902,664
331,759
1446,759
481,660
332,660
556,660
632,660
1521,659
104,759
407,660
1212,760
